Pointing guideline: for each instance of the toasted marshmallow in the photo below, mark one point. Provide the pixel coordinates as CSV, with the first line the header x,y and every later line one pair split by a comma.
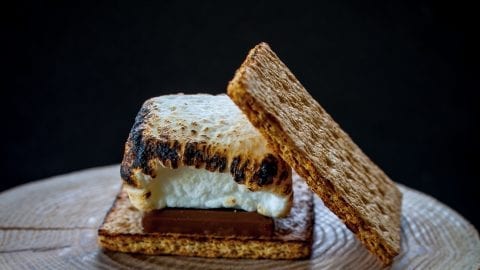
x,y
188,187
200,151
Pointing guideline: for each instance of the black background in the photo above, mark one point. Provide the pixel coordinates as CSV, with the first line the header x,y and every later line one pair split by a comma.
x,y
398,77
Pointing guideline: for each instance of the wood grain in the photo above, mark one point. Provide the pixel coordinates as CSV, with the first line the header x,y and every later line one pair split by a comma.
x,y
52,224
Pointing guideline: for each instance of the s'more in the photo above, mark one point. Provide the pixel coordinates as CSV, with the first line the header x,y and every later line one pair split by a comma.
x,y
234,176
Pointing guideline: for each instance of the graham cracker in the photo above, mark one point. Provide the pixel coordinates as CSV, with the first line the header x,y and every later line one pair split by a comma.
x,y
310,141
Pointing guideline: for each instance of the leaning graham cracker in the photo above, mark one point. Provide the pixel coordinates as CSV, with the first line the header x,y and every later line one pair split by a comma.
x,y
307,137
292,237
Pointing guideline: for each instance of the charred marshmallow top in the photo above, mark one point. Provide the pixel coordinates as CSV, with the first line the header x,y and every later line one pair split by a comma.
x,y
200,151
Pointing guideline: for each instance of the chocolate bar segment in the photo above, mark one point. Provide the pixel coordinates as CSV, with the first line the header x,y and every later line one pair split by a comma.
x,y
221,222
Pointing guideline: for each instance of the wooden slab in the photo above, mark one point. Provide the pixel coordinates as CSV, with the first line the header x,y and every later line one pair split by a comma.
x,y
52,224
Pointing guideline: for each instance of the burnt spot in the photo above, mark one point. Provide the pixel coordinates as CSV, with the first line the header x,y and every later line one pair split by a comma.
x,y
200,155
194,132
216,162
192,155
234,165
125,173
145,149
141,152
268,170
138,152
223,164
165,152
148,194
189,153
284,175
237,172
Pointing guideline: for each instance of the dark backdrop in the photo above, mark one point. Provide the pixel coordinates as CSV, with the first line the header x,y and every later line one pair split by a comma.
x,y
398,77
